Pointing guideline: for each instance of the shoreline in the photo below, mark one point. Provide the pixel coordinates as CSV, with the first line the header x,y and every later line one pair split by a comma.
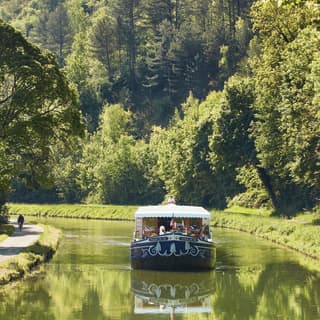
x,y
24,262
302,238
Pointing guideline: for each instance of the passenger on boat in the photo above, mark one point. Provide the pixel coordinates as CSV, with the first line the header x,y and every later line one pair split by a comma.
x,y
179,227
205,233
173,224
171,200
162,230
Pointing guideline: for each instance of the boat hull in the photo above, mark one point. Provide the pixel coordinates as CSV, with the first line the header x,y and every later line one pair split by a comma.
x,y
173,252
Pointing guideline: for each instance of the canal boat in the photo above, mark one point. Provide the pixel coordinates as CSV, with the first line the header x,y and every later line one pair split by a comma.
x,y
172,237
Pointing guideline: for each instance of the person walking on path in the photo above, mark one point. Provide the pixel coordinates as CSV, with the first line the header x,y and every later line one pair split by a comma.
x,y
19,240
20,221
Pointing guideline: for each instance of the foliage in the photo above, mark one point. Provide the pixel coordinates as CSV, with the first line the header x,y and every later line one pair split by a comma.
x,y
37,109
286,130
177,101
149,52
66,174
255,195
115,167
3,213
182,156
5,231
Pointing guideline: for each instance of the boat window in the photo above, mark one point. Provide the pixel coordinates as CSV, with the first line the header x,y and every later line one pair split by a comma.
x,y
149,227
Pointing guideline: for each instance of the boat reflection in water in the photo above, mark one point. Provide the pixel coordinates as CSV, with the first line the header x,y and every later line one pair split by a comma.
x,y
172,292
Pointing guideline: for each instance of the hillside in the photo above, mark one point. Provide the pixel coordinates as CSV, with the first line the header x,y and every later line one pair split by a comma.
x,y
215,103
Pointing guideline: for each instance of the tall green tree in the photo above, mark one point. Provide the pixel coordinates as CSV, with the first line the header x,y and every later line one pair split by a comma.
x,y
37,108
183,156
287,130
59,32
80,68
232,143
114,167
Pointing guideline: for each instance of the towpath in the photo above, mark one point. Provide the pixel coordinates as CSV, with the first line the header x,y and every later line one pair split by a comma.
x,y
19,240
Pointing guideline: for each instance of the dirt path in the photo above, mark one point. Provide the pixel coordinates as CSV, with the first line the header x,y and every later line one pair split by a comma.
x,y
19,240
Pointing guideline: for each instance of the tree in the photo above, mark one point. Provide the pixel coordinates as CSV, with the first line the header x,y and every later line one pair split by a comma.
x,y
79,69
188,63
232,143
287,126
158,78
126,14
59,33
157,12
183,156
115,168
37,108
103,42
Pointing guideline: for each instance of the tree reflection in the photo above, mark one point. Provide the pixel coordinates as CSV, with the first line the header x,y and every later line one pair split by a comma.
x,y
284,291
278,290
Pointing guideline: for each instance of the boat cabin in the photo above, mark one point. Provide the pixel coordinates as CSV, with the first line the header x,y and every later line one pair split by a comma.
x,y
153,221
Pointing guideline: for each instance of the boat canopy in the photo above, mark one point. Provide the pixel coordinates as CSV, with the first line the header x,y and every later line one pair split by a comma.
x,y
172,210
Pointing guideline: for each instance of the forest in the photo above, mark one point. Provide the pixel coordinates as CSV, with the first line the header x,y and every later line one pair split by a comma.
x,y
127,102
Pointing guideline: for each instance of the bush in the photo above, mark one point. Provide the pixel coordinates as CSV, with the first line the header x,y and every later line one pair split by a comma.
x,y
316,221
3,214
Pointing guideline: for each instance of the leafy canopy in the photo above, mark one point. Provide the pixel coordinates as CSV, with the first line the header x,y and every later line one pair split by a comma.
x,y
37,108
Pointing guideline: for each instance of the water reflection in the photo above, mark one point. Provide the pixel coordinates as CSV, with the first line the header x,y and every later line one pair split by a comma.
x,y
172,293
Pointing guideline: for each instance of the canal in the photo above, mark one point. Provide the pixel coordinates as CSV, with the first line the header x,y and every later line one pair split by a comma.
x,y
90,278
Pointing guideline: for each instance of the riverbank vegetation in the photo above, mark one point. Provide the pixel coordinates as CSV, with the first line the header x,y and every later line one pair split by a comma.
x,y
215,103
302,237
30,257
107,212
5,231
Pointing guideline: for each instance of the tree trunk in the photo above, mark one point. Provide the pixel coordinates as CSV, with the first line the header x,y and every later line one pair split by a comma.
x,y
266,180
132,44
177,14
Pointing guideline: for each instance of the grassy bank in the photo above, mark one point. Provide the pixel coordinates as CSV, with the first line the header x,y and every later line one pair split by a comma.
x,y
5,231
107,212
302,237
30,257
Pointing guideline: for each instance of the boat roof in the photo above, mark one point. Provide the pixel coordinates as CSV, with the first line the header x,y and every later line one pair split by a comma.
x,y
172,210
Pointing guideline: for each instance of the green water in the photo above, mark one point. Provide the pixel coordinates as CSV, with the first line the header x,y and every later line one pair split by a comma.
x,y
90,278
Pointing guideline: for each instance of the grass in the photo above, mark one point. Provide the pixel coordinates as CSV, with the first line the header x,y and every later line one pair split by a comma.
x,y
6,230
308,218
300,217
106,212
249,211
304,238
24,262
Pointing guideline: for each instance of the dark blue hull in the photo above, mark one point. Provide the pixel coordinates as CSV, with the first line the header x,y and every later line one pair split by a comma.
x,y
173,252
